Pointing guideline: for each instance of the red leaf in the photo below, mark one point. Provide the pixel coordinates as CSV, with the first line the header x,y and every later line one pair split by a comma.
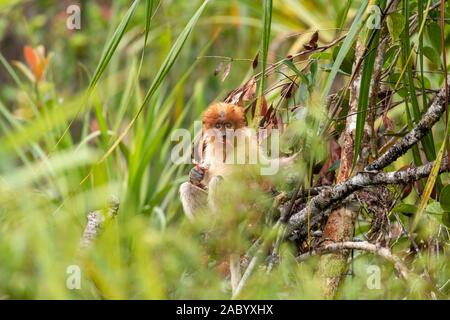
x,y
253,108
288,90
269,111
407,188
263,106
255,61
36,60
312,44
314,39
31,57
325,176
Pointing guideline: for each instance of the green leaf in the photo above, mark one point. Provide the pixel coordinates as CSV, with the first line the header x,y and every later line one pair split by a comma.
x,y
107,54
430,182
112,46
434,207
347,63
395,24
431,55
343,15
345,48
162,73
390,55
292,66
321,56
334,166
267,23
313,70
446,219
433,33
444,198
427,141
405,208
442,216
363,99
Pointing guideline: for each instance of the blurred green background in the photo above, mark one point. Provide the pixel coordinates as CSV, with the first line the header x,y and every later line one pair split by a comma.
x,y
55,129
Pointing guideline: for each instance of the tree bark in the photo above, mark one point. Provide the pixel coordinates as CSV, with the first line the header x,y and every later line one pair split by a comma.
x,y
340,223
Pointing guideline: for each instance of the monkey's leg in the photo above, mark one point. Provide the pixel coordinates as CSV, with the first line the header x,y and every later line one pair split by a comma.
x,y
214,205
213,193
235,271
193,199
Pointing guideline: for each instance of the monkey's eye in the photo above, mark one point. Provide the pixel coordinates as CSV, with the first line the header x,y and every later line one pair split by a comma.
x,y
228,125
217,126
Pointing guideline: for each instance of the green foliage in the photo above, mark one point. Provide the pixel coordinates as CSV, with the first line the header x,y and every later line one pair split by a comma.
x,y
346,45
100,123
372,42
395,24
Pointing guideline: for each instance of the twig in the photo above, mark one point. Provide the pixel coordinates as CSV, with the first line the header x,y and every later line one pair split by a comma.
x,y
432,116
95,223
365,246
246,275
327,198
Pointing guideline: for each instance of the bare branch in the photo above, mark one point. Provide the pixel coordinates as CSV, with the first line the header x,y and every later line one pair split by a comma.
x,y
328,197
432,116
365,246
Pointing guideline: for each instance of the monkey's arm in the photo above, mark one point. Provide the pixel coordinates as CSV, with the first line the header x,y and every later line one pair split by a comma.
x,y
193,199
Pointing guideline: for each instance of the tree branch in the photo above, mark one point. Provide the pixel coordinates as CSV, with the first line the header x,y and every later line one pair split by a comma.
x,y
328,197
365,246
432,116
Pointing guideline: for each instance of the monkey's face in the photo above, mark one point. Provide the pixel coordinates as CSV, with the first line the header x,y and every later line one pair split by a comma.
x,y
221,120
223,132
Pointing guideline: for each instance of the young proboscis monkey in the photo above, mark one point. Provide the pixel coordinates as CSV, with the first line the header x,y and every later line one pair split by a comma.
x,y
227,145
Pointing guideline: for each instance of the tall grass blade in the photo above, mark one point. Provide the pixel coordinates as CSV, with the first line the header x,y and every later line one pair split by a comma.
x,y
164,69
346,46
366,78
267,22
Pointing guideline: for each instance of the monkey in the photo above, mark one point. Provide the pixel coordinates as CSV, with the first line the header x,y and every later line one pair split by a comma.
x,y
225,138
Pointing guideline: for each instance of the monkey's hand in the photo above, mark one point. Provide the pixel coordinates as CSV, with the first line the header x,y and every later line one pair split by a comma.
x,y
196,175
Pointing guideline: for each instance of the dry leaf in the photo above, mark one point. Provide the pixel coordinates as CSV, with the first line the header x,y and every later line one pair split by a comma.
x,y
218,68
249,90
263,106
245,92
255,61
288,90
388,123
226,71
312,44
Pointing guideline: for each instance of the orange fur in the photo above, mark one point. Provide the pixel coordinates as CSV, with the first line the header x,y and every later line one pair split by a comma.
x,y
220,112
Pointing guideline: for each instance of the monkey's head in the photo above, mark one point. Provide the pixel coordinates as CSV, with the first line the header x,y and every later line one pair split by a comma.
x,y
223,119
